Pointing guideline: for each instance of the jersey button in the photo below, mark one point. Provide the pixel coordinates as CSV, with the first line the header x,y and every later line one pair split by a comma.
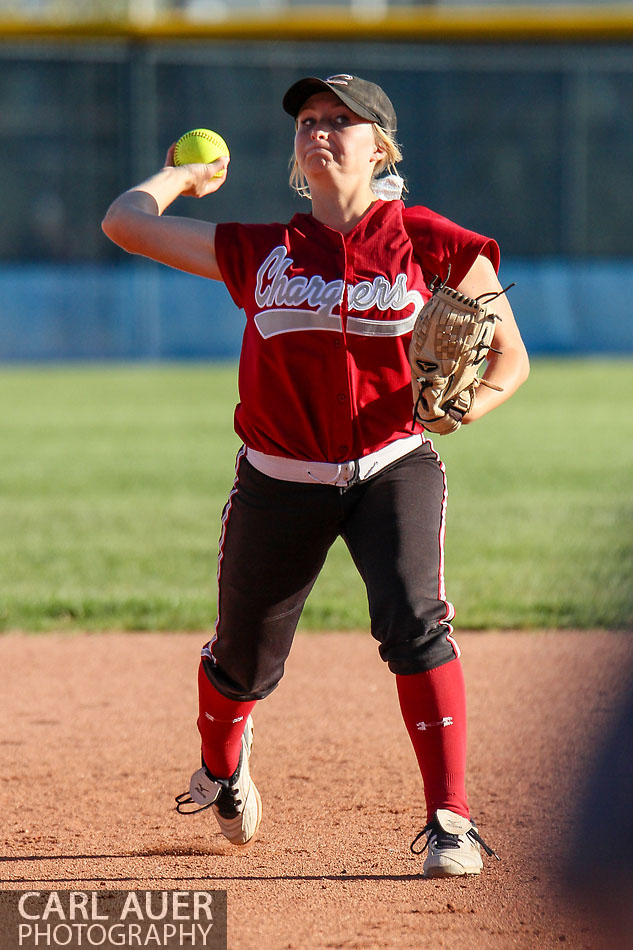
x,y
338,343
341,398
343,450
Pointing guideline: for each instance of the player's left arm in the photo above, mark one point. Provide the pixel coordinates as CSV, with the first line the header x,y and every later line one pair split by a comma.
x,y
509,368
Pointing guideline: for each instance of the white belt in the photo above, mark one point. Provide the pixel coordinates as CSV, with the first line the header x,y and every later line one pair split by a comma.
x,y
332,473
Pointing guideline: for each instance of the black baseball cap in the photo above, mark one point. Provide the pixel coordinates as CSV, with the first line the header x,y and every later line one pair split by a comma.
x,y
364,98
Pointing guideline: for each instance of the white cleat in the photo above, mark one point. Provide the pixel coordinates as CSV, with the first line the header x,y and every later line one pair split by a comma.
x,y
453,844
236,803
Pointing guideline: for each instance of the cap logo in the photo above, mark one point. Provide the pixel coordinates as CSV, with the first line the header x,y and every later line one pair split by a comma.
x,y
341,79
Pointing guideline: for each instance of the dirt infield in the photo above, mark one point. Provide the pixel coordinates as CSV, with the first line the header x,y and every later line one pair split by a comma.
x,y
99,735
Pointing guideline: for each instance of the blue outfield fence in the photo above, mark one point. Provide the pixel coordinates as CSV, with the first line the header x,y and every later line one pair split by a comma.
x,y
142,311
114,312
560,306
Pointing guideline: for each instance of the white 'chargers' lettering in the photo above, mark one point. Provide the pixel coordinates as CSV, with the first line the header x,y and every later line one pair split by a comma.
x,y
274,291
274,288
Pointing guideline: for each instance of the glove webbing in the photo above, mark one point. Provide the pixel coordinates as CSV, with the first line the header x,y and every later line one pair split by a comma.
x,y
458,414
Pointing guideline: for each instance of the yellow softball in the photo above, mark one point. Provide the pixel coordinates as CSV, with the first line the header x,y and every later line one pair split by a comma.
x,y
200,145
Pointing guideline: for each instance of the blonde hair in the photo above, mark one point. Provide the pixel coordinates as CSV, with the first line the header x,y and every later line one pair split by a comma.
x,y
383,138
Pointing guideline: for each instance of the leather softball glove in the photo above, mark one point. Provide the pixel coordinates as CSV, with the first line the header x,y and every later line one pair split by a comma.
x,y
451,339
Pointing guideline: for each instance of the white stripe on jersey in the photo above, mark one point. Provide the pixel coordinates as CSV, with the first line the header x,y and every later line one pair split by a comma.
x,y
364,327
274,322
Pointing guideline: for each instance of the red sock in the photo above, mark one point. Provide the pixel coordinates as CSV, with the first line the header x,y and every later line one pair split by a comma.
x,y
221,723
433,706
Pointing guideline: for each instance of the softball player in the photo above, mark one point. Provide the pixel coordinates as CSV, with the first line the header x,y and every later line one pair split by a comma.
x,y
325,417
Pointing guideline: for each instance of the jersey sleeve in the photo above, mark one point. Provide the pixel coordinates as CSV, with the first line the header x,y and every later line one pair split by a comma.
x,y
438,242
233,252
237,246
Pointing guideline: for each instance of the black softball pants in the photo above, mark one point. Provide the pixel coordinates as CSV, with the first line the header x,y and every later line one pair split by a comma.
x,y
274,542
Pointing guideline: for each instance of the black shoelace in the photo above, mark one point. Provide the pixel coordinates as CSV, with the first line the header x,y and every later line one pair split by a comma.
x,y
227,801
444,839
185,799
228,804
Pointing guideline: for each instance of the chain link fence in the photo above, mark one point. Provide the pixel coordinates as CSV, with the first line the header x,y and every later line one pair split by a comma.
x,y
530,143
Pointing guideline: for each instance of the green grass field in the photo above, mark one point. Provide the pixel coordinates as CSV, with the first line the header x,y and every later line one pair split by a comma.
x,y
113,480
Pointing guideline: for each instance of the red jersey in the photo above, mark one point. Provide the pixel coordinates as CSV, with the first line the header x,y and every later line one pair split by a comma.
x,y
324,373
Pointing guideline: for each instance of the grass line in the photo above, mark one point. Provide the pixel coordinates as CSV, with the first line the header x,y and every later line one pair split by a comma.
x,y
113,478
